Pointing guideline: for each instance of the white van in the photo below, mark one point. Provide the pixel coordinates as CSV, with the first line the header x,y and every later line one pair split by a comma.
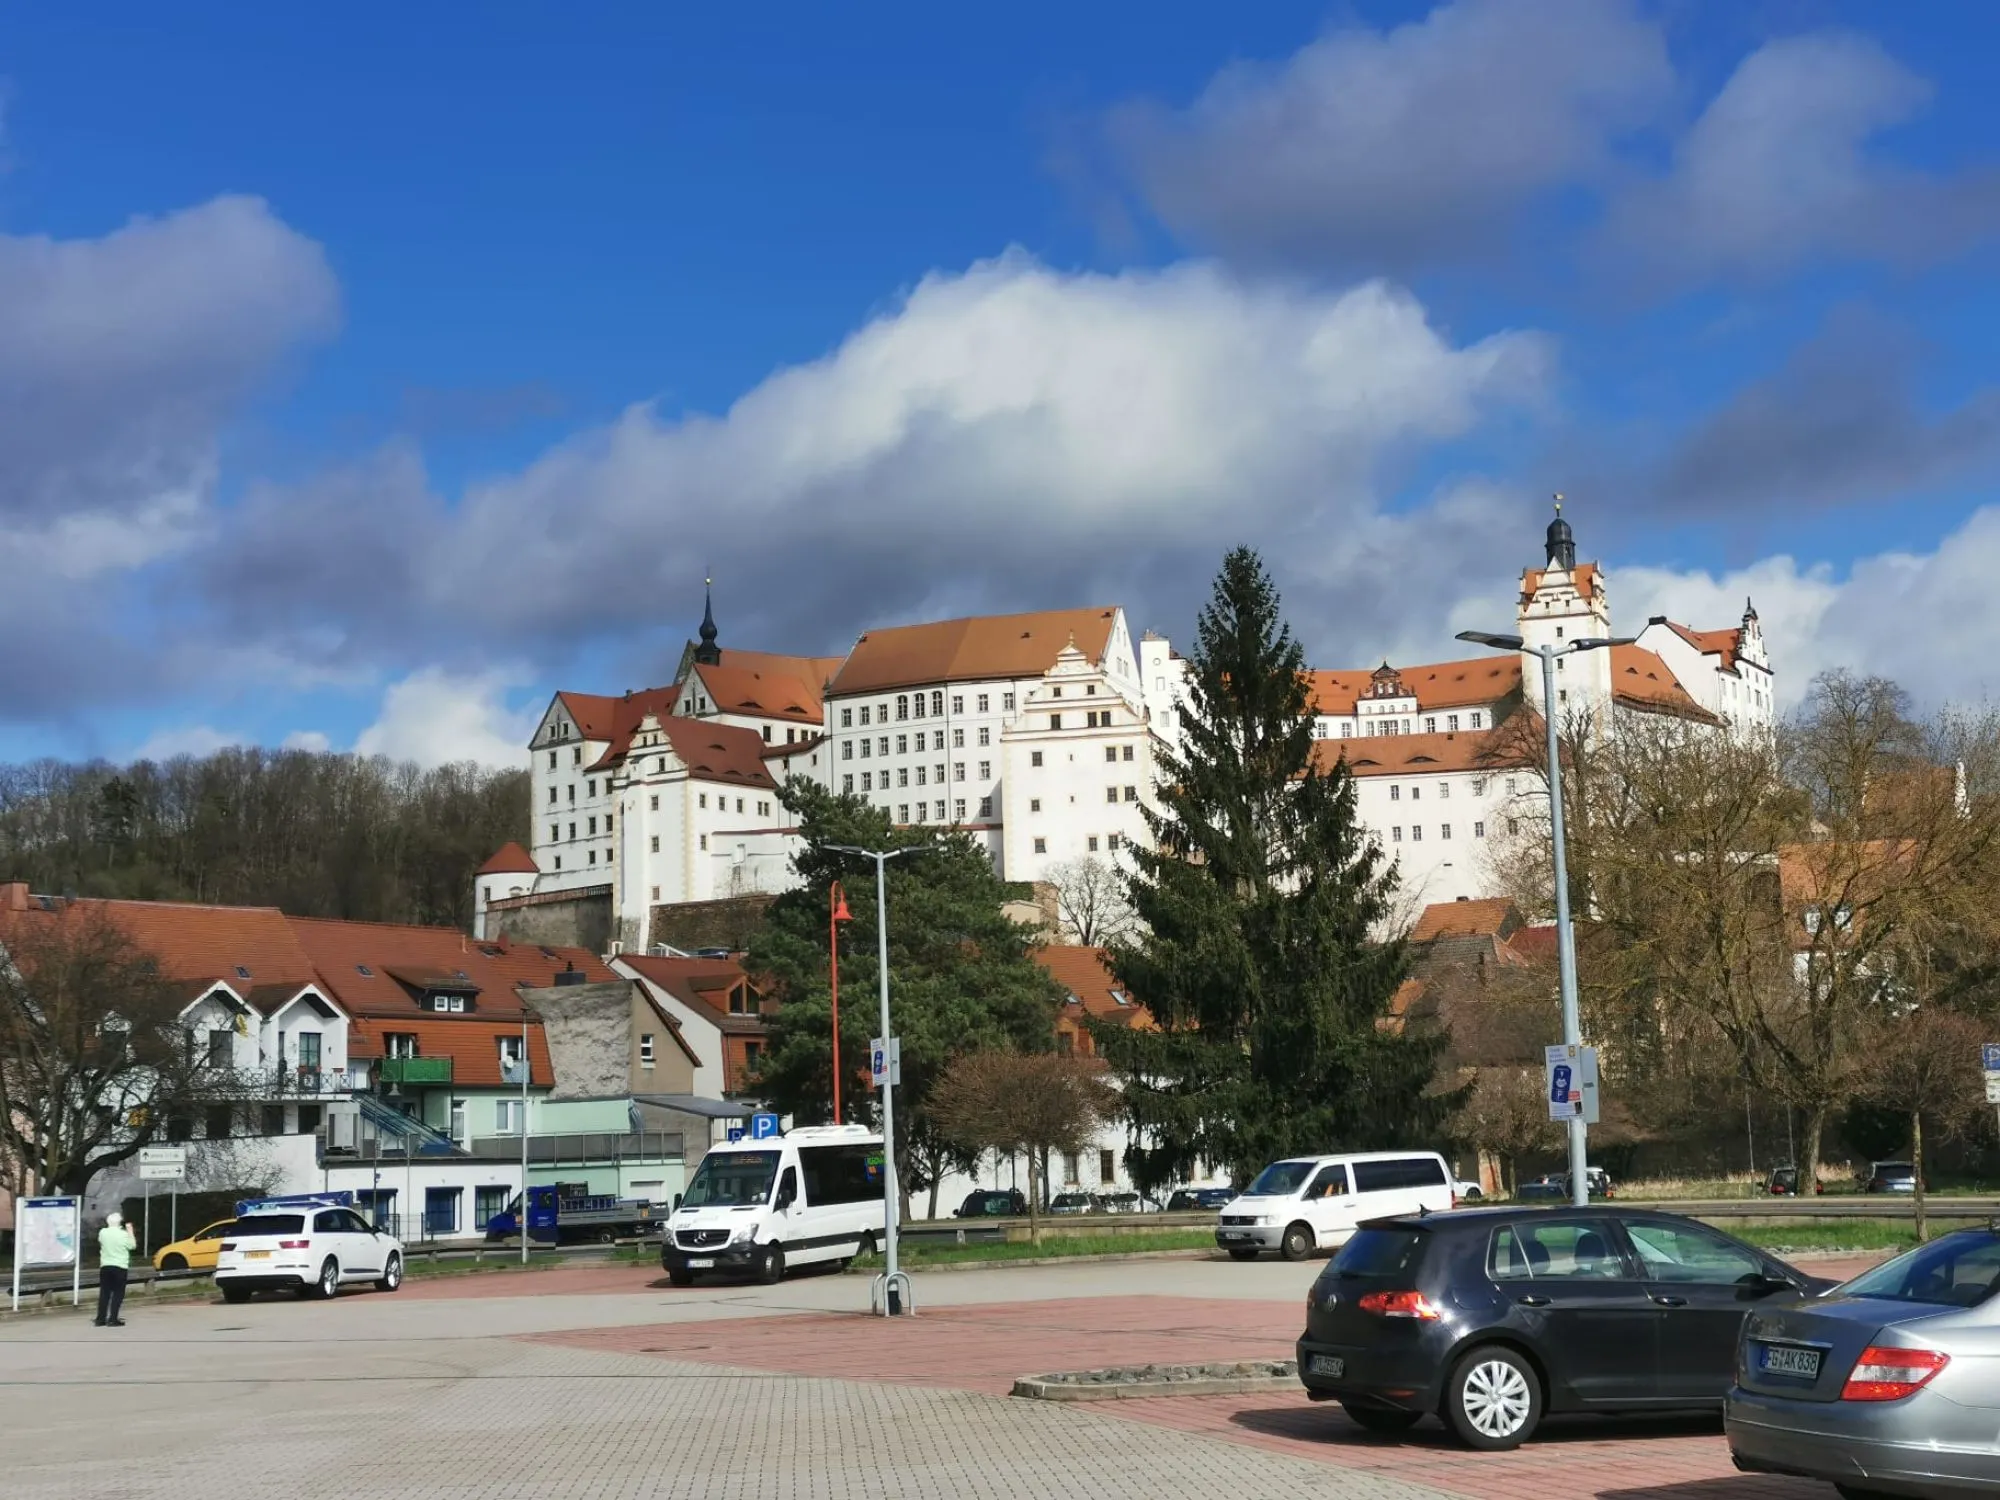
x,y
791,1200
1309,1203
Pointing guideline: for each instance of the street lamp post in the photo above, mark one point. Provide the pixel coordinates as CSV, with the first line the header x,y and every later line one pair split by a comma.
x,y
892,1300
1579,1146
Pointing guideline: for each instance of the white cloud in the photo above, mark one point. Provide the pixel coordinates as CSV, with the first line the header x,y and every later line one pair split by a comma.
x,y
1924,619
1777,170
1006,437
1416,144
434,718
183,739
311,740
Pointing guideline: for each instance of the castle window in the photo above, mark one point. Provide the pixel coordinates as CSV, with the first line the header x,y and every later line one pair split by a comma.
x,y
847,718
1041,846
985,735
1475,721
984,700
958,703
847,783
1451,723
903,712
1479,830
1444,830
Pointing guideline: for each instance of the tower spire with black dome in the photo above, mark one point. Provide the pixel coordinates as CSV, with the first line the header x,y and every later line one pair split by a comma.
x,y
708,654
1562,541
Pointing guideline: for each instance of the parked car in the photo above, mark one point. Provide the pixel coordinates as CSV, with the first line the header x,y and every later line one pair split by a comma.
x,y
1884,1386
1076,1203
1467,1191
195,1252
308,1248
1555,1186
1891,1177
993,1203
1784,1182
1495,1317
1314,1202
1121,1203
1187,1200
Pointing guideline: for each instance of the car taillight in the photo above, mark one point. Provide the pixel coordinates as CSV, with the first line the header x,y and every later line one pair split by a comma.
x,y
295,1244
1883,1374
1400,1305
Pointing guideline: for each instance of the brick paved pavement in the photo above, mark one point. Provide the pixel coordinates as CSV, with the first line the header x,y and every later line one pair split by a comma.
x,y
246,1402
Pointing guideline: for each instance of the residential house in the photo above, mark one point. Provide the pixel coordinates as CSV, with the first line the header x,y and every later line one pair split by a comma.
x,y
718,1010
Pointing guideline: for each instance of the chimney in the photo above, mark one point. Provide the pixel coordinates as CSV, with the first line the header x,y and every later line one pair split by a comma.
x,y
14,895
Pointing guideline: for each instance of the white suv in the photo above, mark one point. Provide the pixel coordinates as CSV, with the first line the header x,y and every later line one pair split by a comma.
x,y
307,1248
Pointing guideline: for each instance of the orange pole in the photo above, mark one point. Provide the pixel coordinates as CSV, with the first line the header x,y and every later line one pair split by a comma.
x,y
833,960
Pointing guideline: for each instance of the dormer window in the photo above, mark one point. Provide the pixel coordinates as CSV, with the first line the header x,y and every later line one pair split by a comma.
x,y
241,972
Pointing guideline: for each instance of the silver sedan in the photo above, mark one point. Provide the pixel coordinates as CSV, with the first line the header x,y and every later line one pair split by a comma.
x,y
1887,1385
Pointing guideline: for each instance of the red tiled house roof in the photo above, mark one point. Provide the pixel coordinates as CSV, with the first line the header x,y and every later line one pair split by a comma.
x,y
981,648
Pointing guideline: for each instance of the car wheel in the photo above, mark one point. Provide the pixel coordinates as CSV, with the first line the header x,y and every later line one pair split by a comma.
x,y
1493,1400
1297,1243
607,1237
1242,1252
173,1263
771,1265
392,1275
328,1285
1381,1418
235,1293
681,1278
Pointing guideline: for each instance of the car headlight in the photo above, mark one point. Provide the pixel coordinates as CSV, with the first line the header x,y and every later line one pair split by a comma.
x,y
743,1235
1261,1219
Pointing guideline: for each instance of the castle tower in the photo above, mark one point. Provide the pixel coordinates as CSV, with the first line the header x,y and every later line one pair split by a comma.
x,y
1564,601
708,654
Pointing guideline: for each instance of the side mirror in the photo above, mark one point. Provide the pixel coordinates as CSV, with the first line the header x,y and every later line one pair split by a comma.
x,y
677,1202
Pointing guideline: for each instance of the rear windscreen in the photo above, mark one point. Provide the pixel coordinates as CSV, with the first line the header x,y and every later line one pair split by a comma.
x,y
255,1224
1961,1270
1380,1252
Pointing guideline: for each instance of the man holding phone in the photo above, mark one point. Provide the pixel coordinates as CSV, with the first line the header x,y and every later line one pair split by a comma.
x,y
115,1244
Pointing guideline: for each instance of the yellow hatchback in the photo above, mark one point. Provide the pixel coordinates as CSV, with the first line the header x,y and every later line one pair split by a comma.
x,y
195,1253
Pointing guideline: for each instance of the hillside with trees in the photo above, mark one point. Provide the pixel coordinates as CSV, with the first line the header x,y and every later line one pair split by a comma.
x,y
318,834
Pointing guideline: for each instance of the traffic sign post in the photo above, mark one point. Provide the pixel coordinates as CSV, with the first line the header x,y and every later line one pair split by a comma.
x,y
1569,1075
163,1163
1989,1061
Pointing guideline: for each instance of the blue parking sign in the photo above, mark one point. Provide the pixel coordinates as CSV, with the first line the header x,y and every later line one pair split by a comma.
x,y
1989,1057
764,1126
1559,1084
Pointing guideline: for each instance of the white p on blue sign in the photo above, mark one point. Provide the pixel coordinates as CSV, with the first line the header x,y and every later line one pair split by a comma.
x,y
764,1126
1989,1057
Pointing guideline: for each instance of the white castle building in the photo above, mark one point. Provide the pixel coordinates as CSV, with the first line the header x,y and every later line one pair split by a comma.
x,y
1040,734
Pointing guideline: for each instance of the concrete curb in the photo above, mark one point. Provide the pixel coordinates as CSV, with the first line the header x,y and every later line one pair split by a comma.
x,y
1162,1380
1039,1260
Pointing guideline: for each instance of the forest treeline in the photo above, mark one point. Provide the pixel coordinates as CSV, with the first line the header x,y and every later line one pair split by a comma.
x,y
315,833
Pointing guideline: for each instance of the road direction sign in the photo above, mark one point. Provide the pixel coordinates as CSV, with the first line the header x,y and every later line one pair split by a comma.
x,y
162,1163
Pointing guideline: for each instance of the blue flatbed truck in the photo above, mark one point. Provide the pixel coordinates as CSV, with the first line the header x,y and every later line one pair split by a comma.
x,y
565,1215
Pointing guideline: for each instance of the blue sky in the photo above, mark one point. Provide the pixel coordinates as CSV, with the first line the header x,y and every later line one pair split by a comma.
x,y
366,375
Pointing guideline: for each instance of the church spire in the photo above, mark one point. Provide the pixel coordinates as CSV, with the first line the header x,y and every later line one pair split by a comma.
x,y
708,654
1561,541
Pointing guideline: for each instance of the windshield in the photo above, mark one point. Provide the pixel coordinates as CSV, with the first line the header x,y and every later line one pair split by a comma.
x,y
1280,1180
1960,1270
255,1224
732,1179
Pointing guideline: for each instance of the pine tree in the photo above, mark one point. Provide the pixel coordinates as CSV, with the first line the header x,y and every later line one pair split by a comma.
x,y
1262,958
961,974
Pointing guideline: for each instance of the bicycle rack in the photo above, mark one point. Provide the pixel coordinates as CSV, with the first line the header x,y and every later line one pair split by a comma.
x,y
891,1295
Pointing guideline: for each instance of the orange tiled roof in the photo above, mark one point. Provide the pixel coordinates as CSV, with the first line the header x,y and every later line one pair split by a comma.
x,y
599,715
252,949
510,859
711,751
1489,917
341,950
983,647
767,685
1414,754
1641,680
1585,578
703,983
1445,684
1722,643
1081,971
471,1042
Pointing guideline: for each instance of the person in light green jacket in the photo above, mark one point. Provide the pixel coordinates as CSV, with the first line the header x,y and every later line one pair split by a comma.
x,y
115,1244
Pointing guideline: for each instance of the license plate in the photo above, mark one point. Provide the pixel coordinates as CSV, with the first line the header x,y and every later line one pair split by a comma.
x,y
256,1255
1326,1364
1230,1234
1778,1359
700,1262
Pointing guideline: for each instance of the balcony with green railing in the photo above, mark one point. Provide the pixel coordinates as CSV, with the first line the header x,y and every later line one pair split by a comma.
x,y
414,1070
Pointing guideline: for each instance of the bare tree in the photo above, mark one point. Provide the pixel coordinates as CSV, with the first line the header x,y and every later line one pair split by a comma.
x,y
1507,1116
1092,908
1035,1102
1926,1065
93,1059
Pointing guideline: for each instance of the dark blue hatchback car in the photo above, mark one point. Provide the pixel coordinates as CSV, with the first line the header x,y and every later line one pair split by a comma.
x,y
1492,1318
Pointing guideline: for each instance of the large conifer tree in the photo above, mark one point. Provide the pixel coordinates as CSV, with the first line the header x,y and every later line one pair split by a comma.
x,y
1263,901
